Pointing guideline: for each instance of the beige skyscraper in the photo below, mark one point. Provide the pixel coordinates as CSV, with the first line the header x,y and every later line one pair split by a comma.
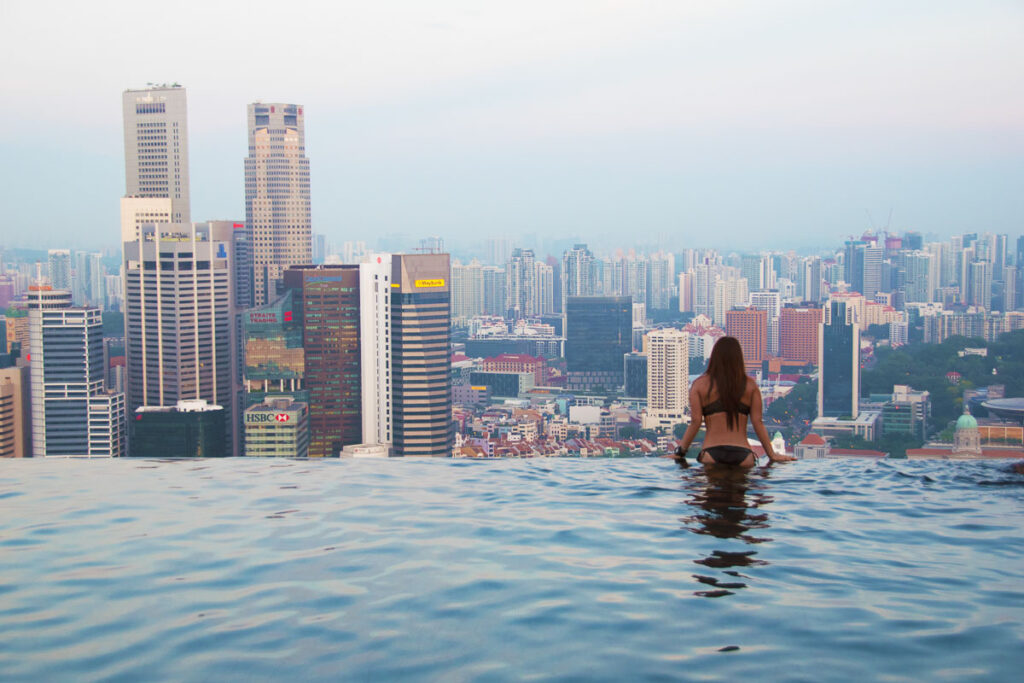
x,y
277,208
668,378
155,155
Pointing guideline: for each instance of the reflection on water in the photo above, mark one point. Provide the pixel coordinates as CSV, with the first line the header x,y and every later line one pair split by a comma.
x,y
728,502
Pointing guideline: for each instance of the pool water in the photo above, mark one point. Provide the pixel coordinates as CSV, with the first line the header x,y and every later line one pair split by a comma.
x,y
588,569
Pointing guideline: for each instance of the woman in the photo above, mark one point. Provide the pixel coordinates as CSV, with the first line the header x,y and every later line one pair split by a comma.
x,y
722,398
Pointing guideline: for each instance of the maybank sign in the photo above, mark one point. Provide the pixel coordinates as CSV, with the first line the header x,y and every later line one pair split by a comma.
x,y
439,282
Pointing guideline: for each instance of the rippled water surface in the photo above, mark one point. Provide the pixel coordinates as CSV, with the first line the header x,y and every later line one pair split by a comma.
x,y
455,570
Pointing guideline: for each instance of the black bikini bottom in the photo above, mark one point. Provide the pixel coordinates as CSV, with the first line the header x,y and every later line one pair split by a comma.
x,y
727,455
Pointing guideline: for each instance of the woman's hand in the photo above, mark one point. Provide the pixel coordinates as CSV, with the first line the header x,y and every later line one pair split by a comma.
x,y
775,457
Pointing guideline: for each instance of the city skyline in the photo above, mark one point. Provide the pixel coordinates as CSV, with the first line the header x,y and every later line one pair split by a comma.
x,y
674,123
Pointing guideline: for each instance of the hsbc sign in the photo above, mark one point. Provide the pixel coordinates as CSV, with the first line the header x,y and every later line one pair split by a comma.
x,y
264,418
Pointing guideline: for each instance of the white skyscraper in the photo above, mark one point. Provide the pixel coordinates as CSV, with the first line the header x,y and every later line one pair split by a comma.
x,y
277,200
156,149
729,293
771,302
59,269
668,378
375,347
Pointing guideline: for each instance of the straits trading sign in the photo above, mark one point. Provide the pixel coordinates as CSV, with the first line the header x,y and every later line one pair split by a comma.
x,y
263,317
438,282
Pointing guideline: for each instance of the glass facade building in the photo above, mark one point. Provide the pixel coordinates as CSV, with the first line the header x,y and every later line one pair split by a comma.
x,y
635,371
190,429
329,297
275,360
599,333
839,353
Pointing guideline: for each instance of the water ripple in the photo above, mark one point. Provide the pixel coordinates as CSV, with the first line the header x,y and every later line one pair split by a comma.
x,y
568,569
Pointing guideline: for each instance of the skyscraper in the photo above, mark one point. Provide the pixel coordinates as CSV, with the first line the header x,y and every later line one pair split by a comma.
x,y
420,355
329,299
599,333
180,324
668,378
838,363
72,414
277,200
577,272
467,288
156,150
521,284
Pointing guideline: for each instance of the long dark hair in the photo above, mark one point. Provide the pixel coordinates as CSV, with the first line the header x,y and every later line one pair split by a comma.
x,y
727,375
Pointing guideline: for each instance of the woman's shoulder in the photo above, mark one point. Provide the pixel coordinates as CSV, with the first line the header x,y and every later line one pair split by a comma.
x,y
701,382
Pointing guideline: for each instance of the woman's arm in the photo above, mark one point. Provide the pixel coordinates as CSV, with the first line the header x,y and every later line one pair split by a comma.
x,y
696,420
757,419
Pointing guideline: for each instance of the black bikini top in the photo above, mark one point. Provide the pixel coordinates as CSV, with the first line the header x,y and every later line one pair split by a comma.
x,y
717,407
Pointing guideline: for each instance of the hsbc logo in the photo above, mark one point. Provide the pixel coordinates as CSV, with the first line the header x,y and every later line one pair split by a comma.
x,y
282,417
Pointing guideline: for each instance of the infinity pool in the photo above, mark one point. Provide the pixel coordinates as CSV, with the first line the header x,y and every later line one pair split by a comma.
x,y
564,569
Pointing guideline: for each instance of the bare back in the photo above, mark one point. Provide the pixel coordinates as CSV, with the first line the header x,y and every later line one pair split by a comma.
x,y
717,431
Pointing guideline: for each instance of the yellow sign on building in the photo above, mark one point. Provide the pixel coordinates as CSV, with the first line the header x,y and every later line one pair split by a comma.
x,y
439,282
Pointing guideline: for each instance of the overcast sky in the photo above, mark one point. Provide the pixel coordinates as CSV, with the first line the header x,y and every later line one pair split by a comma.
x,y
714,123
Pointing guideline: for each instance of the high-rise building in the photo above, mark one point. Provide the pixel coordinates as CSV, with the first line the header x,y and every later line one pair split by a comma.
x,y
278,427
798,334
544,289
668,378
180,325
15,427
729,293
769,301
329,296
499,251
750,327
59,261
72,413
660,273
599,332
577,272
811,278
277,199
376,340
494,290
521,284
420,355
275,360
980,285
838,363
319,248
467,290
635,370
156,154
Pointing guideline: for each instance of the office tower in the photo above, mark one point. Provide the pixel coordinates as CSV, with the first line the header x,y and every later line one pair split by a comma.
x,y
156,155
6,291
750,327
770,302
499,251
556,285
275,360
329,299
278,427
89,280
798,334
635,371
1011,295
838,363
420,355
277,204
187,429
668,378
913,241
577,273
660,272
15,427
999,255
494,290
521,284
544,290
979,290
319,248
60,269
467,288
375,344
180,326
72,413
729,293
853,265
599,332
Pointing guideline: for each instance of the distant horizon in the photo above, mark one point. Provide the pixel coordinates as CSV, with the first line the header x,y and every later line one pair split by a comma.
x,y
764,124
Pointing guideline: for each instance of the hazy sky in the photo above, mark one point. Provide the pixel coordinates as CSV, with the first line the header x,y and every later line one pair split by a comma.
x,y
713,123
